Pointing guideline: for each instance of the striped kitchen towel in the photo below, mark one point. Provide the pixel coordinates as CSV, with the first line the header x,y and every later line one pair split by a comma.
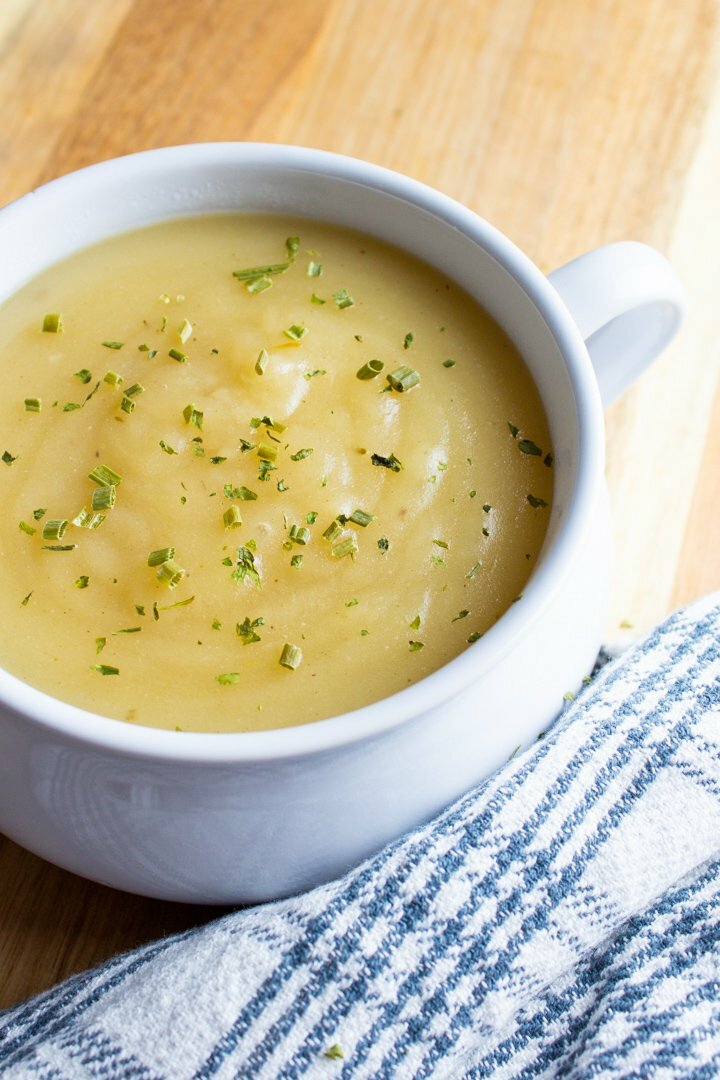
x,y
562,919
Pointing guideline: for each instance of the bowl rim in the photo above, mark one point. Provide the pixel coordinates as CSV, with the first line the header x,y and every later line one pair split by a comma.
x,y
133,740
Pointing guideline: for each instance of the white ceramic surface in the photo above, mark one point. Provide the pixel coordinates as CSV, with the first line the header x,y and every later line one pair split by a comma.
x,y
228,818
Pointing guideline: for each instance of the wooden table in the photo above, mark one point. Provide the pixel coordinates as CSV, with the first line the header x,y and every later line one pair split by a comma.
x,y
568,123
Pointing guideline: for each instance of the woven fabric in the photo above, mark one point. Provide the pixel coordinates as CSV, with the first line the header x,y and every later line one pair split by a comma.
x,y
562,919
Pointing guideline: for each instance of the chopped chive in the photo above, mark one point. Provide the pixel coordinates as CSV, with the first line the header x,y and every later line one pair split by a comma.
x,y
8,457
403,378
291,656
231,518
262,361
296,561
536,502
442,544
216,624
140,609
449,363
312,374
91,394
164,320
185,331
53,324
83,375
314,269
348,546
361,517
312,517
105,669
129,630
161,555
242,493
85,520
258,285
103,498
217,460
527,446
301,454
416,646
113,344
178,603
54,529
370,370
170,574
26,599
230,678
461,615
100,643
437,562
473,570
71,406
39,513
343,299
392,463
383,543
333,531
128,402
24,527
295,332
33,404
166,447
175,354
409,338
104,475
415,624
352,603
282,486
59,547
315,299
256,272
267,453
298,534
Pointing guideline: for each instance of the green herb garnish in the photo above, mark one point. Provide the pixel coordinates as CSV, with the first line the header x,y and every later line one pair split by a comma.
x,y
312,517
296,333
474,637
26,599
246,630
334,1052
54,529
175,354
409,338
301,454
71,406
298,534
242,493
217,460
291,657
105,476
415,624
343,299
39,513
449,363
416,646
103,498
33,404
333,531
392,463
369,370
315,299
267,453
535,501
383,543
24,527
53,324
461,615
185,331
105,669
262,361
113,344
129,630
314,269
348,546
85,520
59,547
8,457
161,555
527,446
548,460
403,378
166,447
245,566
313,374
230,678
361,517
231,518
514,431
169,573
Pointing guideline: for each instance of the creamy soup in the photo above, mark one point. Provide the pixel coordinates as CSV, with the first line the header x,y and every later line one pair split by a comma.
x,y
257,471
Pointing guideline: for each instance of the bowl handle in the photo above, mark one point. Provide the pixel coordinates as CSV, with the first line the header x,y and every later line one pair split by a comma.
x,y
628,303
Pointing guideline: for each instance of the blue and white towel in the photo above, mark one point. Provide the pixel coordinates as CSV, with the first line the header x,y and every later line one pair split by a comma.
x,y
563,919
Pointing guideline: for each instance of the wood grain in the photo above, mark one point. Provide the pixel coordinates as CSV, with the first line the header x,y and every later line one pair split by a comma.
x,y
566,124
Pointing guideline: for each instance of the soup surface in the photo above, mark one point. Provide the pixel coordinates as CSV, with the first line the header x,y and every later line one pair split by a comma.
x,y
338,532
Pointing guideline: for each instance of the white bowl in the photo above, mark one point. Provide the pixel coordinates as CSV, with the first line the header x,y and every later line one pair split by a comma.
x,y
247,817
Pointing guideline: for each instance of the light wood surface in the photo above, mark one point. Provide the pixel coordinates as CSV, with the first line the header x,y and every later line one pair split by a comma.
x,y
567,123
